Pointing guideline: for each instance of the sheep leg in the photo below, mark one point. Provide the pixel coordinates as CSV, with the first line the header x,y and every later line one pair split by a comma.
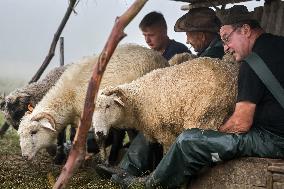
x,y
60,154
4,128
115,139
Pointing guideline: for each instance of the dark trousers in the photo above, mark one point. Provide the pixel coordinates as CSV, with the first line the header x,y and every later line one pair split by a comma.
x,y
195,149
142,157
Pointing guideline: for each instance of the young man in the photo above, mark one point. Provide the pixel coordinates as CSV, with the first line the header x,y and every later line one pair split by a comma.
x,y
202,26
256,128
154,28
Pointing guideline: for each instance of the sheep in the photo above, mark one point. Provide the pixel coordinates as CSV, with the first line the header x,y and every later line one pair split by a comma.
x,y
198,93
180,58
16,103
63,104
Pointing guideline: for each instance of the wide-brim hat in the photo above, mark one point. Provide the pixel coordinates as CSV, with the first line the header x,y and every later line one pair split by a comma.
x,y
236,14
198,19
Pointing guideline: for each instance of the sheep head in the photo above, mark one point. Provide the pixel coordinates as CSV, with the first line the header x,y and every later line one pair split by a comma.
x,y
109,112
36,132
16,104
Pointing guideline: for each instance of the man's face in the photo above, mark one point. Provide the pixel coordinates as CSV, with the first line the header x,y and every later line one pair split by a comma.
x,y
236,41
196,40
155,37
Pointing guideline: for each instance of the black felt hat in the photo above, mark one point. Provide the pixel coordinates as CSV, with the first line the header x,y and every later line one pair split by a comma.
x,y
236,14
198,19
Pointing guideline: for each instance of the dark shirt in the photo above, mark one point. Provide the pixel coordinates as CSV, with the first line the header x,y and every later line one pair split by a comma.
x,y
214,50
174,48
269,114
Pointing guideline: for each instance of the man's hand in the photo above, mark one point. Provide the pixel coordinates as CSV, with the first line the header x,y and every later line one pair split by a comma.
x,y
241,120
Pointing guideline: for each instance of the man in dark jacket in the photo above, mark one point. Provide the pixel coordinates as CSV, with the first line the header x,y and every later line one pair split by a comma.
x,y
154,29
256,128
202,26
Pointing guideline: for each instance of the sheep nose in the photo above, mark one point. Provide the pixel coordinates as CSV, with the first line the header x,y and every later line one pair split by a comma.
x,y
25,157
100,134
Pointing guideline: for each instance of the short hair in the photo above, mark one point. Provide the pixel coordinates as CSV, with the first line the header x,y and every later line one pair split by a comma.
x,y
153,19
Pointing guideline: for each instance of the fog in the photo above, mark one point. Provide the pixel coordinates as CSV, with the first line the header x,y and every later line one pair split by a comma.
x,y
27,29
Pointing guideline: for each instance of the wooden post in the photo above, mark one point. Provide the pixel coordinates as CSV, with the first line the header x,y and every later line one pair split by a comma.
x,y
61,42
279,30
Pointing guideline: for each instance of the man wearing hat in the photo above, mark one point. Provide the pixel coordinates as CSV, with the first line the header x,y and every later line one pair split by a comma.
x,y
202,26
256,128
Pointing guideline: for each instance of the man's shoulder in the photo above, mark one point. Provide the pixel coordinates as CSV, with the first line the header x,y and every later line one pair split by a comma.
x,y
176,44
174,48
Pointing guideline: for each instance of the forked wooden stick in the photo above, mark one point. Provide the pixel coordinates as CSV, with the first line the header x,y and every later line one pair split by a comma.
x,y
78,150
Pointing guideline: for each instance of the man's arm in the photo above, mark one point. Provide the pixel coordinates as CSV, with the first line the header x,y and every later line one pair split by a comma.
x,y
241,120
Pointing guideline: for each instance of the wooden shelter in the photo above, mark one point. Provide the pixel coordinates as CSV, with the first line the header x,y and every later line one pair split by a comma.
x,y
270,15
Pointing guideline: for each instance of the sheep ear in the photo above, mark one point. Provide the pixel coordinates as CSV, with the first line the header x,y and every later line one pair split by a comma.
x,y
46,124
46,120
30,108
119,101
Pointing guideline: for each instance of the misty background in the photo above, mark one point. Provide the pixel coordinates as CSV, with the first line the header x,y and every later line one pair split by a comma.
x,y
27,29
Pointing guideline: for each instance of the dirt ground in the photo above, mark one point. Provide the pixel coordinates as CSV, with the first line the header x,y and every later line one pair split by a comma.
x,y
15,172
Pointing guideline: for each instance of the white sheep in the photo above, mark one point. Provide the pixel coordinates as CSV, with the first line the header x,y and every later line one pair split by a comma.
x,y
181,57
63,104
198,93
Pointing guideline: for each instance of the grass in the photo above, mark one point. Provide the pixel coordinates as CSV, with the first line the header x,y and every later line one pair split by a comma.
x,y
1,118
41,173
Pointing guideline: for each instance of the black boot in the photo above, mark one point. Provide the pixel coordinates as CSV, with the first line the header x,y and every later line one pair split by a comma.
x,y
106,171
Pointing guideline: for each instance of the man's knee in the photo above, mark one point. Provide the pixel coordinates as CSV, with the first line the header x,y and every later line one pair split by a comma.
x,y
189,136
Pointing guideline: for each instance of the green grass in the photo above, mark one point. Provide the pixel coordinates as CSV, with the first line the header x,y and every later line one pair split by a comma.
x,y
1,118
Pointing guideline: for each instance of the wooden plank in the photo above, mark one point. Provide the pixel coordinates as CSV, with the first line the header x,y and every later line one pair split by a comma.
x,y
279,23
277,185
270,28
277,169
265,17
278,177
258,11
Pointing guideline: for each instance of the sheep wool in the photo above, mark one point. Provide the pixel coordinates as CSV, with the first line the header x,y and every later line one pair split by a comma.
x,y
199,93
180,58
63,104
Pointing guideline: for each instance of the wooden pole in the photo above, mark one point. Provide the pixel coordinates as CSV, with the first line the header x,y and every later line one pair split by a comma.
x,y
61,42
78,150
